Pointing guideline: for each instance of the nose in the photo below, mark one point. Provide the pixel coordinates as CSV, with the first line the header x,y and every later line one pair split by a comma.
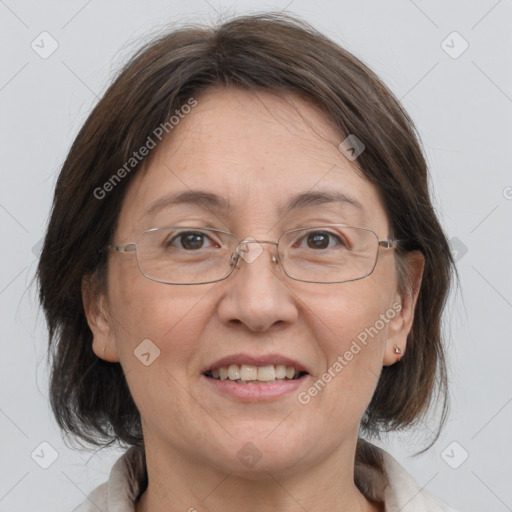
x,y
256,292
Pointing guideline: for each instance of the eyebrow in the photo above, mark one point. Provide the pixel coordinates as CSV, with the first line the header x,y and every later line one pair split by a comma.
x,y
215,202
308,199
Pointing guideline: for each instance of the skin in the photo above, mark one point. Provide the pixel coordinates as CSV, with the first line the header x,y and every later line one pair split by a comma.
x,y
256,151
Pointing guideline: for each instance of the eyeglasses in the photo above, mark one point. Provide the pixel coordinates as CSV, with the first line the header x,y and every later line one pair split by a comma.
x,y
331,253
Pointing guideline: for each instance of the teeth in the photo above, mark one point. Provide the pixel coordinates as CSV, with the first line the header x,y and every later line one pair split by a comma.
x,y
280,371
266,373
247,373
233,372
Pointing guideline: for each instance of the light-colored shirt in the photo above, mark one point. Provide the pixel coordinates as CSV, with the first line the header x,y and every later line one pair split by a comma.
x,y
397,489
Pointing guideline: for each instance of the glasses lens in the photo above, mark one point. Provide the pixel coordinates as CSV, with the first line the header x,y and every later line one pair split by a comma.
x,y
329,254
184,255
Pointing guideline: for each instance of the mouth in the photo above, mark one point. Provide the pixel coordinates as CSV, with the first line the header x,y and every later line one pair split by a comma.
x,y
252,374
248,378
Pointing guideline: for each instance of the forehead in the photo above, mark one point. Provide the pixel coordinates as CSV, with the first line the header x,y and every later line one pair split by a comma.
x,y
241,156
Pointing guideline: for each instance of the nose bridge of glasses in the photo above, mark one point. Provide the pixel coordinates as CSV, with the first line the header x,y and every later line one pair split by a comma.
x,y
250,253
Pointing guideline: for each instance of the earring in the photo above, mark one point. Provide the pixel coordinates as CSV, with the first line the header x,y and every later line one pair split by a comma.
x,y
397,349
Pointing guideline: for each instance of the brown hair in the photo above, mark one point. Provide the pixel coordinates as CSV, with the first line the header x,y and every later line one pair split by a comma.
x,y
89,396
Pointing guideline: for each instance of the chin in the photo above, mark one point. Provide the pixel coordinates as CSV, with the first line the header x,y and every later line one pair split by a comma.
x,y
255,456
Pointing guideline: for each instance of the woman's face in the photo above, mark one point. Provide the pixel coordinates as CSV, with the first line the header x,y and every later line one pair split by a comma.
x,y
255,153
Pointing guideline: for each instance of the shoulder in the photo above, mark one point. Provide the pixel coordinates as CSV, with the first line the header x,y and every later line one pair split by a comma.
x,y
405,494
398,489
127,479
97,500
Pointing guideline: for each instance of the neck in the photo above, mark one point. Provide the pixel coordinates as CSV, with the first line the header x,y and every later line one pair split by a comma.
x,y
176,483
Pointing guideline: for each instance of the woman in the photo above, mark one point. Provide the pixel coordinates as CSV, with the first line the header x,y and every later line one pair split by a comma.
x,y
242,273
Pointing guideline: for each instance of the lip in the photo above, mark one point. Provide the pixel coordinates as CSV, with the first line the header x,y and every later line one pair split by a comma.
x,y
263,360
255,392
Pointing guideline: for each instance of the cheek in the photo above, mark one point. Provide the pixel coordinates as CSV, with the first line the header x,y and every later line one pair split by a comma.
x,y
172,317
353,312
352,325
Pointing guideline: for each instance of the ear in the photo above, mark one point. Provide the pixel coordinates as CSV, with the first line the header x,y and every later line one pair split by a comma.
x,y
100,323
401,324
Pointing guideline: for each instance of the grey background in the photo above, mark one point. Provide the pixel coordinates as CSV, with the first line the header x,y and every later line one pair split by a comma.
x,y
462,107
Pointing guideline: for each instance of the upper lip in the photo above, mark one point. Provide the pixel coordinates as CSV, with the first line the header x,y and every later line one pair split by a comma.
x,y
262,360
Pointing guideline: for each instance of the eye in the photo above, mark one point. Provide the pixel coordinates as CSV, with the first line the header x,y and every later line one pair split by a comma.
x,y
322,240
190,240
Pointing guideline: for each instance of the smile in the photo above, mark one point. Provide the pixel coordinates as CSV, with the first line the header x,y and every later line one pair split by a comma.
x,y
251,374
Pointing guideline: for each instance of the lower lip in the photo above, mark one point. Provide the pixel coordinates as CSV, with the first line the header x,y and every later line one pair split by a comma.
x,y
255,392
